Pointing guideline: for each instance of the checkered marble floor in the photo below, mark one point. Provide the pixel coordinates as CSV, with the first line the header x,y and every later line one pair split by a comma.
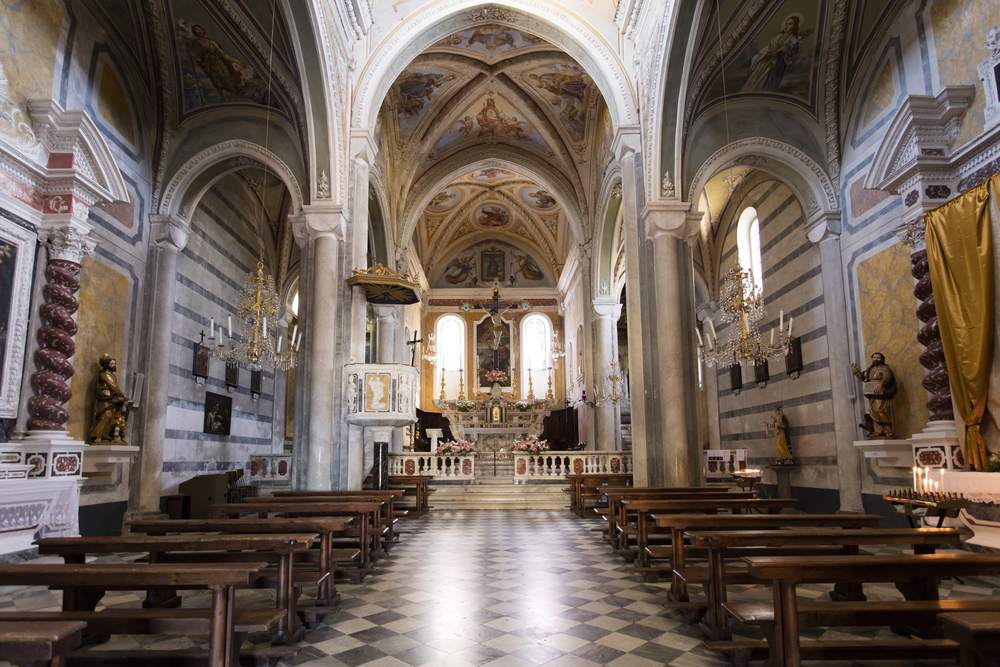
x,y
504,589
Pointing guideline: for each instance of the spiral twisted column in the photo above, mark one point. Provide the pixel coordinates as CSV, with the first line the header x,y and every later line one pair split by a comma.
x,y
66,248
936,376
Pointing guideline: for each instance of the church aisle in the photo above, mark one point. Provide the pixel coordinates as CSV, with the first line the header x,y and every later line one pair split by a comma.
x,y
505,589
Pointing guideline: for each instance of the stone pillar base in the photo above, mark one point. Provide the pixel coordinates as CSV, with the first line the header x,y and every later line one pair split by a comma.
x,y
784,472
53,455
937,446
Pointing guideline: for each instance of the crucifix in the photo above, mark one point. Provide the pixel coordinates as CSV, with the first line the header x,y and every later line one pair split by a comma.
x,y
496,317
413,347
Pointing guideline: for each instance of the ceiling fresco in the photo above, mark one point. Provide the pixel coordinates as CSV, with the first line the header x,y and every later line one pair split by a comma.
x,y
491,42
487,208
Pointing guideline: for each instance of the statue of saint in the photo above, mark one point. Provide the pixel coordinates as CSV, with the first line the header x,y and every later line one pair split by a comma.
x,y
779,430
112,405
880,389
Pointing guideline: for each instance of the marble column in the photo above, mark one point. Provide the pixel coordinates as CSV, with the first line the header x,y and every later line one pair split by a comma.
x,y
669,227
170,234
844,418
711,393
591,370
607,312
645,465
324,226
388,318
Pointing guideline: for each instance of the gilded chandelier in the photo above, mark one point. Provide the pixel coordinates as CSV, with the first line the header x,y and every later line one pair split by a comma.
x,y
257,306
742,305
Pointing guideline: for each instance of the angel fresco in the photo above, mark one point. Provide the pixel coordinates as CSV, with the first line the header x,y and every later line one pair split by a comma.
x,y
493,216
442,200
528,267
568,84
415,87
541,199
459,269
492,37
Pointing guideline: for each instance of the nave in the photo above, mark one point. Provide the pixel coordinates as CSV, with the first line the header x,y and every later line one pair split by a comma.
x,y
504,589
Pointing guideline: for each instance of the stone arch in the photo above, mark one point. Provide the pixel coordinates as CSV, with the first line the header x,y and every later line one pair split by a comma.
x,y
804,176
198,174
609,203
534,16
482,158
378,205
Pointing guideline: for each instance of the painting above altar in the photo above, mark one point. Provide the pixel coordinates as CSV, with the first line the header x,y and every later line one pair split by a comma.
x,y
486,360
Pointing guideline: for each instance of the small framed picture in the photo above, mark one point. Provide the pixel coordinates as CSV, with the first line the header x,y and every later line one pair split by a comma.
x,y
202,356
232,377
256,381
218,413
492,265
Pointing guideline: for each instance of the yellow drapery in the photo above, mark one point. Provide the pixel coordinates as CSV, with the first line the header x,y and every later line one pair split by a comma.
x,y
960,256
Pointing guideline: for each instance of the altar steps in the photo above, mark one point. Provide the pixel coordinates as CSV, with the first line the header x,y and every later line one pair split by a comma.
x,y
498,494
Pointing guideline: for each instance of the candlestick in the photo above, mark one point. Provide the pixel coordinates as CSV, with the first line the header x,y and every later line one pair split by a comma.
x,y
280,337
772,335
230,325
698,334
711,325
781,320
914,478
211,330
295,330
790,320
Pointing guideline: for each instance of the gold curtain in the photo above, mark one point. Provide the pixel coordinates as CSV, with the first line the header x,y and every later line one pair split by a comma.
x,y
960,256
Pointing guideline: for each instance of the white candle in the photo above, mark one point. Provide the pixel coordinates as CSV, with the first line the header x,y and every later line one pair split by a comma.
x,y
927,480
772,335
211,335
230,318
781,320
698,334
914,479
790,320
280,339
263,327
295,330
711,326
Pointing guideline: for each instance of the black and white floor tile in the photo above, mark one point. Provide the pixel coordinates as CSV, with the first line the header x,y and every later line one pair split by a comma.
x,y
503,589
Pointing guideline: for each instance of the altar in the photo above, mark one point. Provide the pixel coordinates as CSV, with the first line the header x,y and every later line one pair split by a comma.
x,y
496,438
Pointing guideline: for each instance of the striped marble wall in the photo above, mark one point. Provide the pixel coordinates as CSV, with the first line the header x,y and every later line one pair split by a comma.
x,y
793,283
223,248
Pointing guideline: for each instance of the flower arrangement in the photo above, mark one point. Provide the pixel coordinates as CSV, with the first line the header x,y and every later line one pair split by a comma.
x,y
465,406
457,448
531,445
496,377
524,404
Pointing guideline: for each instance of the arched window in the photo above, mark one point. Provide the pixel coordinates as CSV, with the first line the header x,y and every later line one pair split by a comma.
x,y
748,245
536,342
449,338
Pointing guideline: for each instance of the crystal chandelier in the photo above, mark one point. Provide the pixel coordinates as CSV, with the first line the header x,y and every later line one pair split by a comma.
x,y
614,389
257,301
742,309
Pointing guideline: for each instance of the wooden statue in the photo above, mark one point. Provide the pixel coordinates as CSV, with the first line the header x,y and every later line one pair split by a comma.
x,y
112,405
880,389
779,430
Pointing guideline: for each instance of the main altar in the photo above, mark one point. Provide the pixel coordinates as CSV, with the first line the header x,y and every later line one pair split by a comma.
x,y
493,422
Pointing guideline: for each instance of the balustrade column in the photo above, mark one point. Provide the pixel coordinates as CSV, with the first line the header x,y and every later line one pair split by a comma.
x,y
170,234
608,312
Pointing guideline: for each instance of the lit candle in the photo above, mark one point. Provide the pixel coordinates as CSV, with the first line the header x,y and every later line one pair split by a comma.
x,y
698,334
914,479
230,318
790,320
927,479
781,320
211,329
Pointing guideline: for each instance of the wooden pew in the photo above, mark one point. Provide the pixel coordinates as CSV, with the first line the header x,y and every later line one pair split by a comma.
x,y
576,486
363,515
325,527
38,643
681,523
739,543
915,575
978,635
386,518
84,585
644,509
420,491
198,548
617,516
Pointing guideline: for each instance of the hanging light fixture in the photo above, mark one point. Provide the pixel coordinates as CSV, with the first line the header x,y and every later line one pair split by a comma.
x,y
614,390
742,309
257,300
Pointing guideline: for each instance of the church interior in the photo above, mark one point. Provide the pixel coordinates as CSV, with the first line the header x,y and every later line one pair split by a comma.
x,y
261,247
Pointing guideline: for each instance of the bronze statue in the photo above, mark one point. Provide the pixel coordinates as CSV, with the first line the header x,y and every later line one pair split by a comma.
x,y
779,430
880,389
112,405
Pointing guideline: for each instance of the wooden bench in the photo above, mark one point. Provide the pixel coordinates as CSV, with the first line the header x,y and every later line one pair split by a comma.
x,y
602,479
915,575
325,527
723,545
360,532
417,487
190,548
978,635
85,584
29,643
678,524
644,510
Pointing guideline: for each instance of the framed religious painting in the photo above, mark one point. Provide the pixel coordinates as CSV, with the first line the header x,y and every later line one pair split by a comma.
x,y
202,358
218,413
232,377
492,265
17,261
256,382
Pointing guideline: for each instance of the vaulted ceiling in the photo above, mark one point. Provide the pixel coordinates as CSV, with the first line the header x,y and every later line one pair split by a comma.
x,y
503,89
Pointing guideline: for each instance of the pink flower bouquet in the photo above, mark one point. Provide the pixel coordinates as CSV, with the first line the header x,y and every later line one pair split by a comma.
x,y
496,376
531,445
457,448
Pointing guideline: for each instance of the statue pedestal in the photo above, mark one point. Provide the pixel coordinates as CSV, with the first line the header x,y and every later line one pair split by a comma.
x,y
784,483
434,434
893,453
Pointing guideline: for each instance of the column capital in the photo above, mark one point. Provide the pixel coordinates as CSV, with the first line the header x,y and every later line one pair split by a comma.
x,y
386,312
821,225
318,220
627,140
912,234
169,231
607,307
672,219
363,146
67,243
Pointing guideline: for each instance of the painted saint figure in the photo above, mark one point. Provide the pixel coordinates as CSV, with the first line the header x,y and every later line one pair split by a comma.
x,y
213,61
778,428
415,87
490,119
880,389
112,405
767,66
